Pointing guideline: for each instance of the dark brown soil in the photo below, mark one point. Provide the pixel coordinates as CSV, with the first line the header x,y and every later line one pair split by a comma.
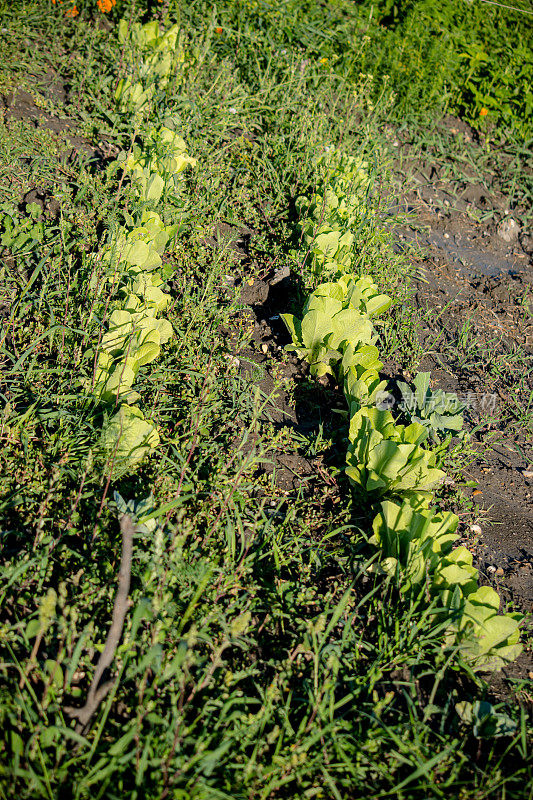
x,y
478,277
19,104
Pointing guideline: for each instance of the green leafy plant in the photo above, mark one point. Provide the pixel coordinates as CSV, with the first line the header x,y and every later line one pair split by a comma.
x,y
413,537
438,411
154,57
384,458
127,439
331,216
134,333
248,637
485,720
387,458
487,639
360,370
337,316
158,165
20,235
417,543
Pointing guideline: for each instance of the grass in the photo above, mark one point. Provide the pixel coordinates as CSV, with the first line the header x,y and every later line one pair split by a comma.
x,y
262,656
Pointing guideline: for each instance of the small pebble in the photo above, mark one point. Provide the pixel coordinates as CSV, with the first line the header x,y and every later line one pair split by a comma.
x,y
528,472
508,230
476,529
264,348
491,569
499,571
280,275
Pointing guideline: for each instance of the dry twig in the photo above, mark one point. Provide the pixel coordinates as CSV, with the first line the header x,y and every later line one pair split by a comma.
x,y
97,692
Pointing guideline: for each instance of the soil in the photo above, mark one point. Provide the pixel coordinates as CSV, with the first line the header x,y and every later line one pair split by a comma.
x,y
481,274
50,92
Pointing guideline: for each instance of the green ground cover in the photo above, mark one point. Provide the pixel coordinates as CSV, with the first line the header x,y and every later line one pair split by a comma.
x,y
264,652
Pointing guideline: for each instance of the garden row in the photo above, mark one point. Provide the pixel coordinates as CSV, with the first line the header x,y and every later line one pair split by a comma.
x,y
134,274
389,465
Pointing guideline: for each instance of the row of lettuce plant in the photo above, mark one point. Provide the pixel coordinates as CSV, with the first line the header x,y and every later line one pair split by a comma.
x,y
134,271
389,465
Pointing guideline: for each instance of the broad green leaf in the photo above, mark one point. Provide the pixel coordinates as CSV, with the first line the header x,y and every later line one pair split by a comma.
x,y
450,422
414,433
351,327
421,384
327,244
378,305
137,253
146,352
121,325
154,188
456,569
315,327
294,326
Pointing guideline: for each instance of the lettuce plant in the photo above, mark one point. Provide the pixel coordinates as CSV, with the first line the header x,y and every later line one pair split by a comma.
x,y
134,335
412,537
159,164
485,720
138,248
135,331
487,640
113,380
361,294
332,215
335,317
360,372
161,58
417,544
336,337
126,439
385,458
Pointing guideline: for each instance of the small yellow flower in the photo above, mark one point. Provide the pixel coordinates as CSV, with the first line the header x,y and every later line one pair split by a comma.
x,y
323,61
